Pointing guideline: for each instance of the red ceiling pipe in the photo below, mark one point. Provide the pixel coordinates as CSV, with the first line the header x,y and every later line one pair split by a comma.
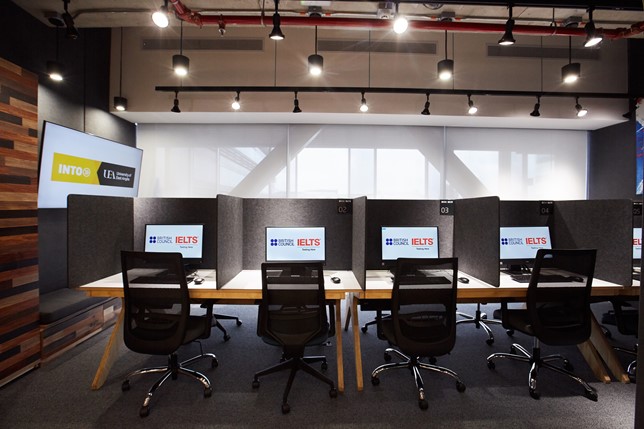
x,y
196,18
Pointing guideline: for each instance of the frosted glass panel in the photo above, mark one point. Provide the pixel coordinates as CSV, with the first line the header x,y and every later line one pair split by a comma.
x,y
400,174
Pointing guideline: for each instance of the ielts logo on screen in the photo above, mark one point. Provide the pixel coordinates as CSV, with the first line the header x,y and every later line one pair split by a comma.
x,y
299,242
518,241
186,239
415,241
637,242
168,239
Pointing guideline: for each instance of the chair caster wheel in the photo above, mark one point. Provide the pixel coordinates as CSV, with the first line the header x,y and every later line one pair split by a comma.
x,y
285,409
226,337
387,357
125,386
432,360
214,363
333,393
364,329
324,366
422,403
567,365
489,341
491,365
144,411
207,392
460,386
535,394
591,394
238,322
375,381
255,384
510,332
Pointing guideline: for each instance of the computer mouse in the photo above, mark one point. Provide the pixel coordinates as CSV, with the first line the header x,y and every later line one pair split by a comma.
x,y
335,279
463,280
198,280
576,279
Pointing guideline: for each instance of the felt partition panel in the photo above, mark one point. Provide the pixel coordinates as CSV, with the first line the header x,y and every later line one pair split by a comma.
x,y
230,238
98,228
260,213
358,242
405,213
605,225
179,211
523,213
476,237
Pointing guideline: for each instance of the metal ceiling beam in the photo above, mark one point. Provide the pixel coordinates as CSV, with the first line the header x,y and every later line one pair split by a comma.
x,y
633,5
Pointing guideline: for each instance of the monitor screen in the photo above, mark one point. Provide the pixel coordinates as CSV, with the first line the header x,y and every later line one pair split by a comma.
x,y
295,244
637,243
522,243
184,239
409,242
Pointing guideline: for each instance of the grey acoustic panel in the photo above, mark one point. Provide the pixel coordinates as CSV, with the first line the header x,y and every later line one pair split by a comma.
x,y
98,228
405,213
230,238
179,211
52,248
476,237
523,213
358,242
260,213
605,225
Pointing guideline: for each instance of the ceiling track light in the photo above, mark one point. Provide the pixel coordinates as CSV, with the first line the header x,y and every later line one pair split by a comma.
x,y
160,16
72,31
180,63
571,71
175,107
535,112
236,105
400,22
446,66
120,102
472,109
296,104
581,112
508,38
316,62
363,104
593,38
426,109
55,69
276,32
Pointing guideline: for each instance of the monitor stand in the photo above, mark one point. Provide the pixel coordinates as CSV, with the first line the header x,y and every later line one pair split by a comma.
x,y
517,269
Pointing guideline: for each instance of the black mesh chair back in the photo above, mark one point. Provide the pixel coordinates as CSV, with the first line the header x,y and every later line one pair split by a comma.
x,y
560,311
292,312
424,306
157,303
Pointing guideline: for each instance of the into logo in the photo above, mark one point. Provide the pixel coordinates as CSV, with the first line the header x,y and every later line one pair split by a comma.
x,y
504,241
152,239
389,241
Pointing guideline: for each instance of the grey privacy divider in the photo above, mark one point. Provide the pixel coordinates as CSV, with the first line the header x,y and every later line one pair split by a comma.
x,y
404,213
98,228
524,213
358,241
230,238
476,237
605,225
182,211
260,213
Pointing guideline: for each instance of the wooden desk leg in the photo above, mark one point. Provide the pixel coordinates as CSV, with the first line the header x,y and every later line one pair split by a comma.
x,y
338,341
347,321
356,342
111,351
607,353
595,363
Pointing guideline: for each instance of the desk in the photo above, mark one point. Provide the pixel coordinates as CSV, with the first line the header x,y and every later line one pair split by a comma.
x,y
596,349
245,288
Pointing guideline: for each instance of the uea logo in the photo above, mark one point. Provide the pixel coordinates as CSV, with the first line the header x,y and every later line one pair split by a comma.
x,y
415,241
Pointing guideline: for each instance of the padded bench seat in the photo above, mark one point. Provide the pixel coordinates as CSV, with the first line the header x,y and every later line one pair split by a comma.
x,y
58,304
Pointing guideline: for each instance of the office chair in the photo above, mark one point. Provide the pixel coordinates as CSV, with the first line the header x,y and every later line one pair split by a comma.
x,y
480,320
627,319
556,314
423,319
157,317
292,315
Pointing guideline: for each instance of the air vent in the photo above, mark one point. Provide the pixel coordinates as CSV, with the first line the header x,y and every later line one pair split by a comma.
x,y
539,52
219,44
366,46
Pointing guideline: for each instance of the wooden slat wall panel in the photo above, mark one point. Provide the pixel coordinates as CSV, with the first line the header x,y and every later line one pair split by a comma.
x,y
19,300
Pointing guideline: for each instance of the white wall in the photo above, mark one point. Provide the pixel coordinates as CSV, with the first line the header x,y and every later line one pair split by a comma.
x,y
339,161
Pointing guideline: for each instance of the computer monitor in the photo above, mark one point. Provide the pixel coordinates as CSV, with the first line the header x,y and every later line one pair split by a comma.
x,y
637,245
185,239
407,242
295,244
519,245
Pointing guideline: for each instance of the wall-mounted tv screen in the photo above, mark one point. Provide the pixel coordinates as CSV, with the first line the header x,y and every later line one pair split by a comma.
x,y
184,239
637,243
522,243
73,162
295,244
408,242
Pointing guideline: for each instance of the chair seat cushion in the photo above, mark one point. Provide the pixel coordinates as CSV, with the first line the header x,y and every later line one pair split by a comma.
x,y
430,338
316,341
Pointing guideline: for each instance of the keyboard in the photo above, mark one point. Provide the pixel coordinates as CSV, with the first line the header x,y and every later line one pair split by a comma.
x,y
543,278
429,280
